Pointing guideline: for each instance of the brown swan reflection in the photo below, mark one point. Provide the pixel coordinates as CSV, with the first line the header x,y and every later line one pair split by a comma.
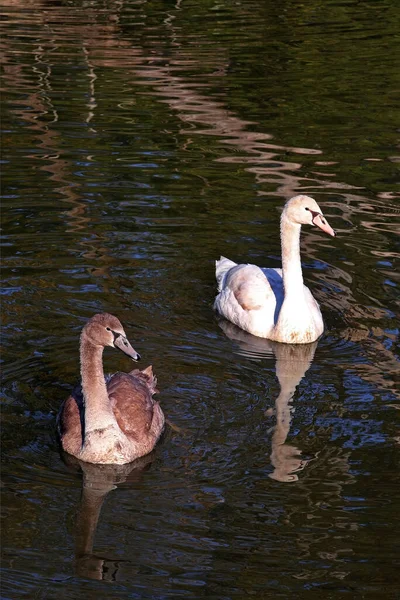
x,y
292,362
98,481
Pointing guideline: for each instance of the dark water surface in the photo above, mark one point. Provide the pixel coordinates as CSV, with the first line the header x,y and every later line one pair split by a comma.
x,y
140,141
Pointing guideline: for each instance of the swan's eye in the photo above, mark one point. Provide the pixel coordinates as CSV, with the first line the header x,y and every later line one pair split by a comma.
x,y
108,329
305,208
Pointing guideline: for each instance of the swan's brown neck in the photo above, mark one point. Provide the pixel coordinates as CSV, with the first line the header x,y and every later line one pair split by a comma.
x,y
291,263
98,411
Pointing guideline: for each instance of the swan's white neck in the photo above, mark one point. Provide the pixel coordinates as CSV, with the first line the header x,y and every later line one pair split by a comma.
x,y
291,263
98,411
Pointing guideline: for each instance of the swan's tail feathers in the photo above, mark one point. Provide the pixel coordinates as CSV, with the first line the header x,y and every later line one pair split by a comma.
x,y
151,379
222,266
148,376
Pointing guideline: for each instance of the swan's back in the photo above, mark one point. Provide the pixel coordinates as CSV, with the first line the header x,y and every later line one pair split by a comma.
x,y
131,397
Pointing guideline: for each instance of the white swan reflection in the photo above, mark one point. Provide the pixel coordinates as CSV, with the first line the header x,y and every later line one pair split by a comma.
x,y
292,362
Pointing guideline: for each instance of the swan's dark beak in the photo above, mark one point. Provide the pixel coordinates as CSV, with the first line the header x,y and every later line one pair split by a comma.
x,y
320,221
123,344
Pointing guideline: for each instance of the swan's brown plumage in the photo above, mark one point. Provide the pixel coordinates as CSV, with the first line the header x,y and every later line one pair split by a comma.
x,y
125,421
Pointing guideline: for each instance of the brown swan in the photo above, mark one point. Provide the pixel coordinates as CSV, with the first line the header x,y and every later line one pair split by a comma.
x,y
113,420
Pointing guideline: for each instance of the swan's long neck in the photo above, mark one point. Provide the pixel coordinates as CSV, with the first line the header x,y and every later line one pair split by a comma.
x,y
98,411
291,263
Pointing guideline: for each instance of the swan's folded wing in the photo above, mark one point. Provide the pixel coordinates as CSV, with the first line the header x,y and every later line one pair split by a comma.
x,y
131,399
253,287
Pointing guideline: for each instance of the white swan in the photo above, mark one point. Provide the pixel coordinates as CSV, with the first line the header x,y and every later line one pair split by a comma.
x,y
274,303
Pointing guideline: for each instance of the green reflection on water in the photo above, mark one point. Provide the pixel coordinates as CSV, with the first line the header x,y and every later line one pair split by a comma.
x,y
143,140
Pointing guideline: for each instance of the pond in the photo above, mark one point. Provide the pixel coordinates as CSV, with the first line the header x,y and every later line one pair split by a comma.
x,y
142,140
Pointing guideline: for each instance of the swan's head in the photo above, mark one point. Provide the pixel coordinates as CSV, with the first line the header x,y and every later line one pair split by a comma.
x,y
303,210
106,330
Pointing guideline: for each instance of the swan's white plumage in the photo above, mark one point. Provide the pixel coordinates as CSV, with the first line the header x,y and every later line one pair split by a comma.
x,y
274,303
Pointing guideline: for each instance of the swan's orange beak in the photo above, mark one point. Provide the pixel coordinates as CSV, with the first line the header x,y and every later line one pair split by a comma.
x,y
323,224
